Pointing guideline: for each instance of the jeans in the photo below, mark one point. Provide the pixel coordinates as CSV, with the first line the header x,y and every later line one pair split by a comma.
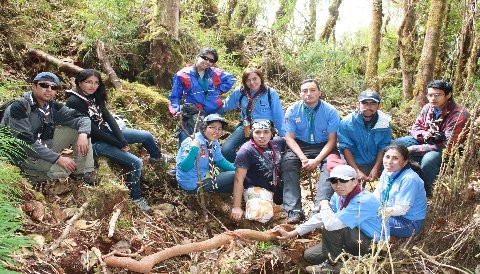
x,y
334,242
291,165
41,170
223,183
404,228
430,162
127,160
233,142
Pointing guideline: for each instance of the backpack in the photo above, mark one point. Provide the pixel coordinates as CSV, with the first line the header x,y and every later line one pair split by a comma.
x,y
4,106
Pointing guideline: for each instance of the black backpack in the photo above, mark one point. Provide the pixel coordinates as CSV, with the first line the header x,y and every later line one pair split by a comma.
x,y
4,106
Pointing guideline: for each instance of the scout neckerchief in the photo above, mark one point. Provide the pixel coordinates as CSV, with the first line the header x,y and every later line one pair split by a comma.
x,y
93,109
211,164
45,110
386,191
250,99
370,124
344,202
273,160
311,119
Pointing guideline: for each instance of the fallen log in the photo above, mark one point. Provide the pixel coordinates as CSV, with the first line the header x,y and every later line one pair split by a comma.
x,y
66,67
107,67
146,264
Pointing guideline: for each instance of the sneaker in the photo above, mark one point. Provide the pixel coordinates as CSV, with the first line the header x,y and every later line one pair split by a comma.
x,y
172,172
142,204
295,216
164,159
88,178
323,268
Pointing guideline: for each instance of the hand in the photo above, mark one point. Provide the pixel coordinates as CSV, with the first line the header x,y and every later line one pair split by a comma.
x,y
361,176
82,144
373,174
324,203
309,165
125,148
427,134
195,143
237,214
67,163
283,233
177,114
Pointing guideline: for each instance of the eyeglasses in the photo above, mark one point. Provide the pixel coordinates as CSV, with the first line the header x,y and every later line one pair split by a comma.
x,y
215,129
436,95
207,59
47,85
334,181
91,83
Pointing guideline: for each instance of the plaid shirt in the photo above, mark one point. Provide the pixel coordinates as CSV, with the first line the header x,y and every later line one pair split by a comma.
x,y
450,124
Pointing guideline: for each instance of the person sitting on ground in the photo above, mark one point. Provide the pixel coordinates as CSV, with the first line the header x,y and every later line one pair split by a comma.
x,y
402,193
257,173
362,136
311,126
49,127
350,222
437,127
89,97
199,160
200,85
256,101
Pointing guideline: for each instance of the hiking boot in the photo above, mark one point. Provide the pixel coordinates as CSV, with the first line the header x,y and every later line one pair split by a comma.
x,y
142,204
295,216
163,159
88,178
323,268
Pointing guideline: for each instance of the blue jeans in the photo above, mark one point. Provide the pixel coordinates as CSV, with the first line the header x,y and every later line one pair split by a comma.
x,y
127,160
404,228
233,142
291,165
430,162
224,183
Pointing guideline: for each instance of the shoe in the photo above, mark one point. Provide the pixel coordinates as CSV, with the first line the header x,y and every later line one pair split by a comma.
x,y
172,172
88,178
142,204
164,159
323,268
295,216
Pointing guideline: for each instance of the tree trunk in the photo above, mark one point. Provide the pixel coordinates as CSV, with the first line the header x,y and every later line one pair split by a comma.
x,y
371,74
284,15
429,51
63,66
107,67
312,23
168,15
472,67
465,45
242,14
230,8
406,45
208,17
329,28
444,64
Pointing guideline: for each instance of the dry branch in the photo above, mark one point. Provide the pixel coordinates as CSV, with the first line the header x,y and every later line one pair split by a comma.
x,y
146,264
66,67
67,229
113,222
107,67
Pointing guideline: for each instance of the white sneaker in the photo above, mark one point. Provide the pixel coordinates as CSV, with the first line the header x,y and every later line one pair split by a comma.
x,y
142,204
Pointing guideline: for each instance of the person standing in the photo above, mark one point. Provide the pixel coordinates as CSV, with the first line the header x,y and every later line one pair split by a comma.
x,y
257,101
311,126
89,97
363,135
436,128
50,127
200,86
257,173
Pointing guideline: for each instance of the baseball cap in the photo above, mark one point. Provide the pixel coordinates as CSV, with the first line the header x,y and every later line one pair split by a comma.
x,y
369,95
344,172
47,76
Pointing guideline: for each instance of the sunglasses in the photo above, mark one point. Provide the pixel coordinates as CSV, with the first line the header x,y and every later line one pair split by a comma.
x,y
47,85
207,59
334,181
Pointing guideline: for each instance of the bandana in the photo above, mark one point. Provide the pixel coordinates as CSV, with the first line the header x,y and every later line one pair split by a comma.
x,y
263,124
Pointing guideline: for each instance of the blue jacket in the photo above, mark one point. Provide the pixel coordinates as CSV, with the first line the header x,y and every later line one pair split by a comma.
x,y
362,142
262,108
185,84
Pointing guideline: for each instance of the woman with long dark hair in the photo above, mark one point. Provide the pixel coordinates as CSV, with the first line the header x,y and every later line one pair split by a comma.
x,y
90,98
402,193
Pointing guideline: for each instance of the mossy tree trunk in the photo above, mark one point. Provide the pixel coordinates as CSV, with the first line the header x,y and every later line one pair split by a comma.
x,y
284,15
312,22
429,51
444,64
209,14
371,74
406,45
329,28
465,45
230,8
164,53
472,64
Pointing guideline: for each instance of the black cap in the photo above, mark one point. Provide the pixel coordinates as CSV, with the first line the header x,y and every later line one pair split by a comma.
x,y
369,95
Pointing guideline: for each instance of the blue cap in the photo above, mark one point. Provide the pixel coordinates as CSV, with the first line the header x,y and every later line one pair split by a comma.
x,y
47,76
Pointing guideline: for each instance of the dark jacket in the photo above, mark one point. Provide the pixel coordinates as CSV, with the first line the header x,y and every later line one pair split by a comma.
x,y
27,122
99,131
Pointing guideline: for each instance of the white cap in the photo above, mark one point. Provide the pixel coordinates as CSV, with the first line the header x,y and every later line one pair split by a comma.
x,y
344,172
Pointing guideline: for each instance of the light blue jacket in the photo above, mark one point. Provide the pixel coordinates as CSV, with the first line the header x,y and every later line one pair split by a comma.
x,y
362,142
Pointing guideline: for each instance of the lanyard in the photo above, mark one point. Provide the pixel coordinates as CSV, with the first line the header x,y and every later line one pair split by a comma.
x,y
311,119
250,98
274,160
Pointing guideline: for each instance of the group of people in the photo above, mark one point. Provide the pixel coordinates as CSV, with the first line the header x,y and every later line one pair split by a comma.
x,y
262,159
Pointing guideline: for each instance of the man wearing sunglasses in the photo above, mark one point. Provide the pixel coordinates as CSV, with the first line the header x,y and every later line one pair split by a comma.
x,y
199,86
350,222
49,127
